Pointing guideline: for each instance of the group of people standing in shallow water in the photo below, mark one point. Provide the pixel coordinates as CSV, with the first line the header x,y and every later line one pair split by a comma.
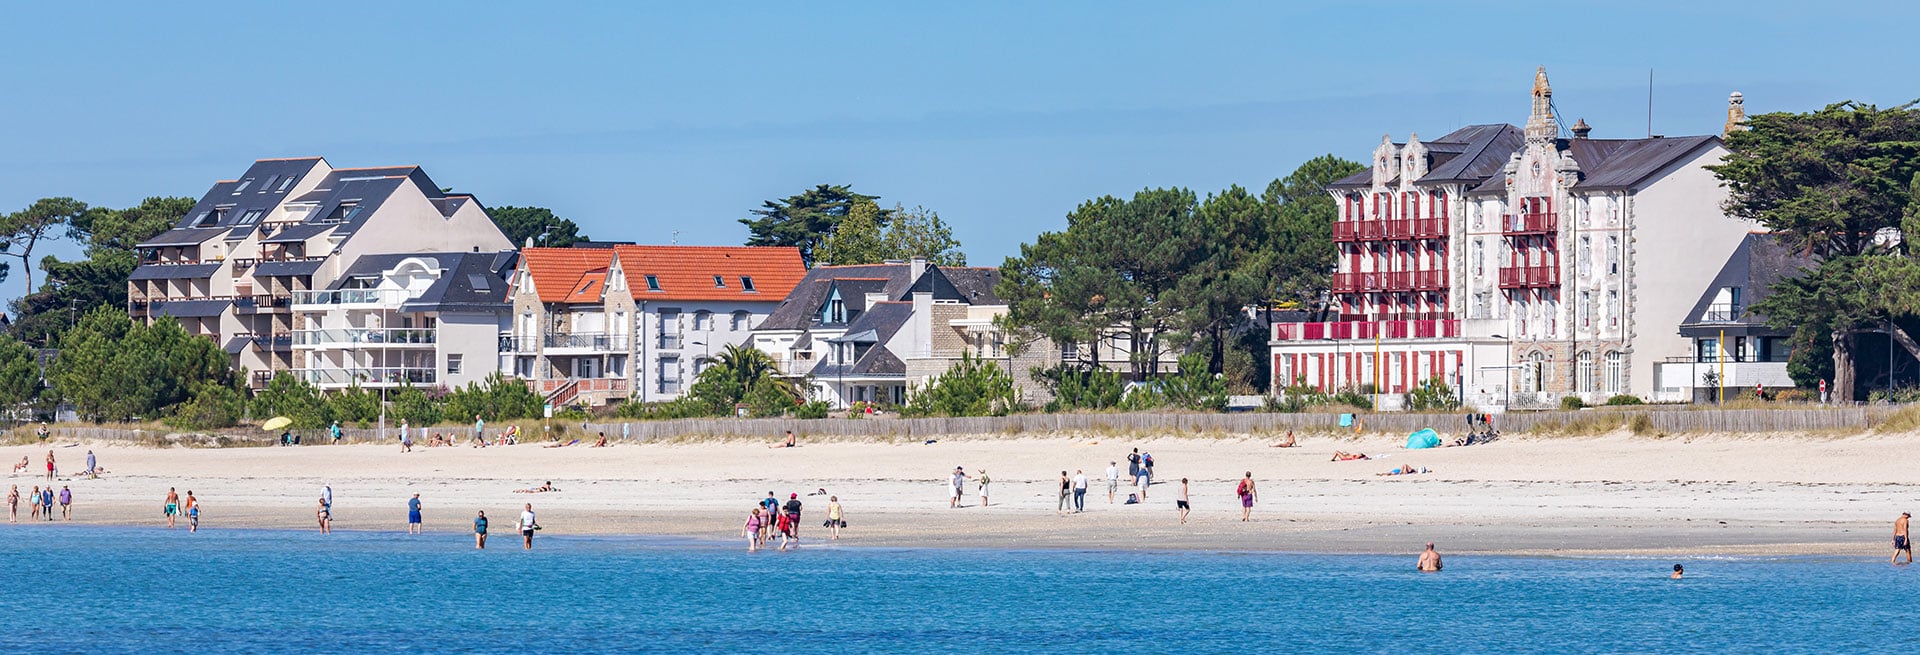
x,y
40,503
772,519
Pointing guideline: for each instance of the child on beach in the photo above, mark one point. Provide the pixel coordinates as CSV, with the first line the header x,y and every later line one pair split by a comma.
x,y
983,487
193,512
13,504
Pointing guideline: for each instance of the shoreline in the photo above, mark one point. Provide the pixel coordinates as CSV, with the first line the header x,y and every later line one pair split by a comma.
x,y
1613,496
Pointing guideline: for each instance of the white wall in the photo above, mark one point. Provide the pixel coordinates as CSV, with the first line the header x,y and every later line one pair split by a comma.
x,y
1680,240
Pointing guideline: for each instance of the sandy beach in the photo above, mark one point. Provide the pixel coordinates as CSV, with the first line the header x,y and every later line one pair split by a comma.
x,y
1614,495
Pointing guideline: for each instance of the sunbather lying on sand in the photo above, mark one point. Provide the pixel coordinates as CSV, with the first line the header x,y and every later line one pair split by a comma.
x,y
561,445
1339,456
538,490
1404,470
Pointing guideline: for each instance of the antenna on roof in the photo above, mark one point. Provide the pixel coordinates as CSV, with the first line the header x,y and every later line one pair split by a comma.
x,y
1649,103
675,240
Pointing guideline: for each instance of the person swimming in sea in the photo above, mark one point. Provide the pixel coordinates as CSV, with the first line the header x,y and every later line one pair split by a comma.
x,y
1677,571
1429,560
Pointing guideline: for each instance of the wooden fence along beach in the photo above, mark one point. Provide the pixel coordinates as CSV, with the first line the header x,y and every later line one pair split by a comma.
x,y
1591,421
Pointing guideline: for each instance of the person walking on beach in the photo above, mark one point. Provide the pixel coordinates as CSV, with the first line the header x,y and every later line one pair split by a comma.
x,y
1133,464
172,508
1146,474
836,518
793,516
480,430
43,433
1900,543
1180,503
193,512
66,503
13,504
324,517
984,481
1066,489
406,440
1079,491
527,525
46,503
334,431
33,504
1248,494
49,468
751,530
769,507
413,514
1113,480
955,484
93,466
1429,560
326,496
480,531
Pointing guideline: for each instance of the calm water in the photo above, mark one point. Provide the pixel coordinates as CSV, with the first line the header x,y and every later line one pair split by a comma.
x,y
67,589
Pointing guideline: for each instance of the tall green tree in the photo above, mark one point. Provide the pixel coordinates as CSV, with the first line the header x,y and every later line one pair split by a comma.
x,y
1831,182
100,278
19,374
22,231
919,232
1229,272
1300,239
536,223
289,396
971,387
858,239
1117,267
111,368
805,219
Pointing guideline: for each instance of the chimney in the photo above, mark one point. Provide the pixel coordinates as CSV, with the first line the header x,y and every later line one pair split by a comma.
x,y
916,266
1581,129
1736,114
922,323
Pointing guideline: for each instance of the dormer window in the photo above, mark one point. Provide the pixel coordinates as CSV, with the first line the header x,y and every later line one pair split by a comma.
x,y
206,219
285,184
343,213
653,283
719,282
243,186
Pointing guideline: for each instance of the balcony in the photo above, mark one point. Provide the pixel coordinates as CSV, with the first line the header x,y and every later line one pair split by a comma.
x,y
1723,314
581,385
1345,231
1428,281
595,341
1514,225
271,342
1346,330
384,376
511,344
261,304
671,341
1374,230
367,336
1529,277
370,297
1389,281
1429,228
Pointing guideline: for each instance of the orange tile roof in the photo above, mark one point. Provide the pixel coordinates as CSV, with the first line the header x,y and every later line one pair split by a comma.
x,y
686,272
564,274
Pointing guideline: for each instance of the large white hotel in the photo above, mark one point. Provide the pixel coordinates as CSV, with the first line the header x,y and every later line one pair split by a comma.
x,y
1521,265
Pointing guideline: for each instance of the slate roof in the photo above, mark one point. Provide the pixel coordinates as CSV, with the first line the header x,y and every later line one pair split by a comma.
x,y
1759,263
260,188
468,281
687,272
188,308
882,320
181,237
1483,150
287,268
173,271
1625,163
298,233
802,305
975,284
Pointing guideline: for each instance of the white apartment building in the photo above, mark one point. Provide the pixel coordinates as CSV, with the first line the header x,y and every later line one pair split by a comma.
x,y
230,267
1523,264
417,319
604,323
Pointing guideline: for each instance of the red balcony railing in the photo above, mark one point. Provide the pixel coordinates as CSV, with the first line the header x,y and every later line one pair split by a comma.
x,y
1345,330
1429,228
1529,223
1371,230
1345,231
1429,281
1525,277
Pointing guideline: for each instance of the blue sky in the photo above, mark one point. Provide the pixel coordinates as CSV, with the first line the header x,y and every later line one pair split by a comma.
x,y
640,120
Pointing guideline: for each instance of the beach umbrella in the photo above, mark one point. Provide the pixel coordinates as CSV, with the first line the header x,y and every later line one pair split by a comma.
x,y
276,423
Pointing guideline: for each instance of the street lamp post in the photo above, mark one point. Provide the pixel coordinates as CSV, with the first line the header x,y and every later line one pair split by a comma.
x,y
1339,365
1508,368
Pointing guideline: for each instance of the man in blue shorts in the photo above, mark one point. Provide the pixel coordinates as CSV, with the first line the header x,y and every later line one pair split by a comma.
x,y
413,514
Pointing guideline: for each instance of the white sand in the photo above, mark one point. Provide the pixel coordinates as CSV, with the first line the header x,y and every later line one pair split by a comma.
x,y
1615,494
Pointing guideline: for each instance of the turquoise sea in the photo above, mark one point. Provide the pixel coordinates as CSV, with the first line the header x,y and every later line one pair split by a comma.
x,y
126,590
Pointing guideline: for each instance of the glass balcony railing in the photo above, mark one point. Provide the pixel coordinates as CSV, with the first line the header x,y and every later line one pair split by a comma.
x,y
349,336
351,297
375,376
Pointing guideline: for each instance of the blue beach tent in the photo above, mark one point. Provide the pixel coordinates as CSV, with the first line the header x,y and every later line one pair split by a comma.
x,y
1425,438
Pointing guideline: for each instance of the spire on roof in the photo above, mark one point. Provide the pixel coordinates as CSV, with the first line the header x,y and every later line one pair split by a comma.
x,y
1541,127
1736,114
1581,129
